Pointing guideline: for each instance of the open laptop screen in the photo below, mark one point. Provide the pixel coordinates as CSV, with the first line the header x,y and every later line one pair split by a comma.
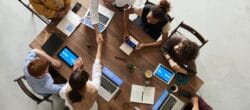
x,y
112,76
161,99
68,56
163,73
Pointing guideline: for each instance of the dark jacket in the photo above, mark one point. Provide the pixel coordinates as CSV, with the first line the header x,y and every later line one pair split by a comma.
x,y
168,48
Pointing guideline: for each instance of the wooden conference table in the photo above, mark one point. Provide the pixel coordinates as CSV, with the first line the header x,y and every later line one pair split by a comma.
x,y
83,43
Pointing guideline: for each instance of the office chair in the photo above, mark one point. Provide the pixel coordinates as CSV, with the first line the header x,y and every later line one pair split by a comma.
x,y
27,5
191,30
31,94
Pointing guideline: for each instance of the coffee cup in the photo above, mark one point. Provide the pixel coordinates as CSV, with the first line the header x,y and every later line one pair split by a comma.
x,y
173,88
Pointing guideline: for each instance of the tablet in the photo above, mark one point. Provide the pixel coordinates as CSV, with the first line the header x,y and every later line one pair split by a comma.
x,y
164,74
67,56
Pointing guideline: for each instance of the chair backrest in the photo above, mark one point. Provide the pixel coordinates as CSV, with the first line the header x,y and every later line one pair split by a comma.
x,y
26,90
44,19
191,30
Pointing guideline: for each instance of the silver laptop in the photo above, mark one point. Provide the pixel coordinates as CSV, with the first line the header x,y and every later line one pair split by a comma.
x,y
110,84
105,16
172,103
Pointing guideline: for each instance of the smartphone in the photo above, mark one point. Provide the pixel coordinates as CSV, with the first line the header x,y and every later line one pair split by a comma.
x,y
76,8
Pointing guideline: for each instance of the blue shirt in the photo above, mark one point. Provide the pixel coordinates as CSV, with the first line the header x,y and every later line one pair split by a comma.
x,y
43,86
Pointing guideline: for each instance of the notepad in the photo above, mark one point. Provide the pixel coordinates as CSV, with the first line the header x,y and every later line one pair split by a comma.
x,y
129,46
142,94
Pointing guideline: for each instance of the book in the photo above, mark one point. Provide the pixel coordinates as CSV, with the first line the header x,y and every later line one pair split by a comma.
x,y
142,94
129,46
69,23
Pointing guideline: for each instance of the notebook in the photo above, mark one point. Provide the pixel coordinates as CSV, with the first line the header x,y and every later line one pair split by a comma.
x,y
129,46
142,94
105,16
52,44
69,23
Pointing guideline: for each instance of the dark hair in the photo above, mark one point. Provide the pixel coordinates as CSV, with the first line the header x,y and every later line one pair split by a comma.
x,y
77,81
38,67
188,51
159,11
188,106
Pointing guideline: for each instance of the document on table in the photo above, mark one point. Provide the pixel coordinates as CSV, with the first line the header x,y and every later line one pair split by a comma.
x,y
142,94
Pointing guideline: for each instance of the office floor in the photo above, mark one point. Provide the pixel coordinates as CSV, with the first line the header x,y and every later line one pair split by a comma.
x,y
222,63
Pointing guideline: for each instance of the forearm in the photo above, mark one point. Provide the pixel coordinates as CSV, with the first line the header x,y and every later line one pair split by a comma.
x,y
99,51
153,44
96,28
44,55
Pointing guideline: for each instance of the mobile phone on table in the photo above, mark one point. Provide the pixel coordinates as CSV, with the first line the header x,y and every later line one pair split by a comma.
x,y
76,8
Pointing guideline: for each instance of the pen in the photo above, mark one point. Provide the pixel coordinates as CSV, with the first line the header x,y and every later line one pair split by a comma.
x,y
119,58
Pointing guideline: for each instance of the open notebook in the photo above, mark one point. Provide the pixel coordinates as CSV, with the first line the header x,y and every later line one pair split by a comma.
x,y
142,94
129,46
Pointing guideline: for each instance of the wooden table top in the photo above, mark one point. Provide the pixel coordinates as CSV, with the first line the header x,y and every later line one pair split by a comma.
x,y
83,43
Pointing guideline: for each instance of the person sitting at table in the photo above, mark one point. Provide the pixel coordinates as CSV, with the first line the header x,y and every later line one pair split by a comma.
x,y
35,70
154,21
197,103
80,93
181,53
51,9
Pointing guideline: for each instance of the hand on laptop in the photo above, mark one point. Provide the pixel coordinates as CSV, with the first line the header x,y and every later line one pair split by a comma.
x,y
78,64
56,63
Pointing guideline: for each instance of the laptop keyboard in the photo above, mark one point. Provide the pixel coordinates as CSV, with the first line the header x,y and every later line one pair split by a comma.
x,y
103,19
169,103
107,85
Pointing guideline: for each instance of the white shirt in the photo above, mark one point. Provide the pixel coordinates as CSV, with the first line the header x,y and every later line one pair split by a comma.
x,y
96,81
94,8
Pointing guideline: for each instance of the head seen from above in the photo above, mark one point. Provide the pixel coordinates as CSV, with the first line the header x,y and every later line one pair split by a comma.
x,y
77,82
186,50
38,68
158,12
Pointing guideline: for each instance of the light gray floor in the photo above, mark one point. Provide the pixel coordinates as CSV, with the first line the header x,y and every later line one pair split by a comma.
x,y
222,64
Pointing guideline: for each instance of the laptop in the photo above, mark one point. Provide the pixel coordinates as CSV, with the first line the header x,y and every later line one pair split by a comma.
x,y
110,84
164,74
52,44
69,23
168,101
105,16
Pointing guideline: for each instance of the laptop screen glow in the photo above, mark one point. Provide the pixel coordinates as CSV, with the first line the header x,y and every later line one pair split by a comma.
x,y
161,99
68,56
112,76
164,74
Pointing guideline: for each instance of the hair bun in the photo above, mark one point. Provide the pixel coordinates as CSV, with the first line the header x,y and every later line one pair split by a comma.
x,y
164,5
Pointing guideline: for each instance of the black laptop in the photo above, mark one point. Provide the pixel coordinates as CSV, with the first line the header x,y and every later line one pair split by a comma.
x,y
52,44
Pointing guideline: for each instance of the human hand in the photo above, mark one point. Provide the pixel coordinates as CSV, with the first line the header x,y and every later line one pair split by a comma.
x,y
56,63
195,99
174,65
126,37
99,38
78,64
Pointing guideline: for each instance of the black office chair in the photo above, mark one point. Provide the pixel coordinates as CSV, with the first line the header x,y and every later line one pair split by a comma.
x,y
31,94
191,30
27,5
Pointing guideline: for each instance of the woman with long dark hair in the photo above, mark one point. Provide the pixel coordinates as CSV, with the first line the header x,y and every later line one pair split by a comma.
x,y
80,93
